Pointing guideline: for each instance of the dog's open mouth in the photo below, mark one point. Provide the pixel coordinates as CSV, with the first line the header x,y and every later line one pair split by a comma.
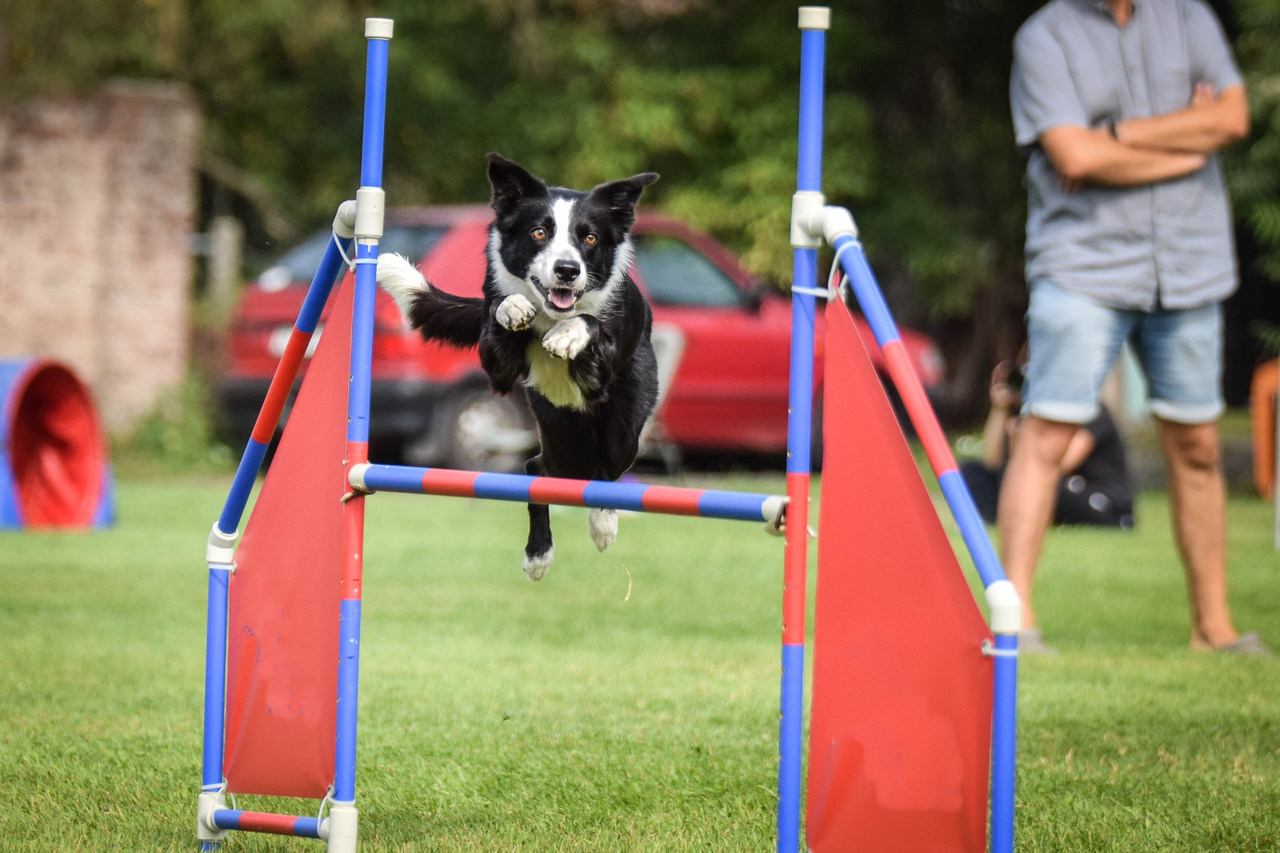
x,y
558,298
562,298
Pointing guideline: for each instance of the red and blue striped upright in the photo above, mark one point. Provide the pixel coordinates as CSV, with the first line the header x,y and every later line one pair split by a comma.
x,y
813,25
224,533
339,828
368,231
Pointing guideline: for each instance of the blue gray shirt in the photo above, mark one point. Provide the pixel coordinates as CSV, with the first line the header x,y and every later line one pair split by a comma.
x,y
1168,243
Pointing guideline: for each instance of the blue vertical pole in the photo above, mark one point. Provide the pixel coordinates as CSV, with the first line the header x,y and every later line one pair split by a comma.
x,y
215,667
1004,742
813,24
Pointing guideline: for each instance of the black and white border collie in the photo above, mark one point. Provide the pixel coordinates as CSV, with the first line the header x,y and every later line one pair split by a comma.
x,y
560,314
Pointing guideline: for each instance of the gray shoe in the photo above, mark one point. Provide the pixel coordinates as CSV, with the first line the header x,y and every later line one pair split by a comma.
x,y
1247,644
1031,642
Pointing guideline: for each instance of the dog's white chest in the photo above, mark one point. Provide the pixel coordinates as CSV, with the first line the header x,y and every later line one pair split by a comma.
x,y
550,376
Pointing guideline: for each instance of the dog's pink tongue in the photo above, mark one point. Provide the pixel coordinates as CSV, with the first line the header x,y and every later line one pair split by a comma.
x,y
562,299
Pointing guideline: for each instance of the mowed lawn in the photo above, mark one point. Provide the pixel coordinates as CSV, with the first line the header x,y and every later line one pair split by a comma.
x,y
627,702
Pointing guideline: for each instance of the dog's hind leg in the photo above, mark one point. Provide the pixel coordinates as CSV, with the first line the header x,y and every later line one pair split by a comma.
x,y
540,548
603,524
623,418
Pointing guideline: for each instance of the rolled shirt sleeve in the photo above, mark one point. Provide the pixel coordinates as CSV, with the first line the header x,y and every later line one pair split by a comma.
x,y
1041,92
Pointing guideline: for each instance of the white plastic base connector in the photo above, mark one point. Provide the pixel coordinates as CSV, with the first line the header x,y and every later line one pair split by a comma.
x,y
208,803
1005,607
339,828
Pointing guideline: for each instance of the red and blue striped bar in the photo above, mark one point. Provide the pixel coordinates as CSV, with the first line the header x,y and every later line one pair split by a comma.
x,y
274,824
521,488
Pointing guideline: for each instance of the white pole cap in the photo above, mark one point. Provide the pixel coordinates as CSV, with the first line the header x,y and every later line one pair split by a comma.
x,y
379,28
815,18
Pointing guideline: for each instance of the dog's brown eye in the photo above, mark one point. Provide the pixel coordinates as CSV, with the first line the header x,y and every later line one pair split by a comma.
x,y
590,239
538,234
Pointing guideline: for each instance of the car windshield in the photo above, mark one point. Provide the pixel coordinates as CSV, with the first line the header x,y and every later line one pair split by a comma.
x,y
301,262
674,273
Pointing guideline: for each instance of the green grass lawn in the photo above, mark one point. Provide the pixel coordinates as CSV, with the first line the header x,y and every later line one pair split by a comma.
x,y
627,702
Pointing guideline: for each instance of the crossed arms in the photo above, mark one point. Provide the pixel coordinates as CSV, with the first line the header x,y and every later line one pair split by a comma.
x,y
1146,150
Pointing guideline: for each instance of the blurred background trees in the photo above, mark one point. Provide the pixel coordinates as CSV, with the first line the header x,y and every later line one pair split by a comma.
x,y
919,143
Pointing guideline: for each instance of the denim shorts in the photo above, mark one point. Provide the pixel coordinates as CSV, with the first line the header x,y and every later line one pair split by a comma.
x,y
1073,341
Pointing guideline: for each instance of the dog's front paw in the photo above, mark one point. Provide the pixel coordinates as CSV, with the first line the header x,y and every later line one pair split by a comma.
x,y
515,313
568,338
603,524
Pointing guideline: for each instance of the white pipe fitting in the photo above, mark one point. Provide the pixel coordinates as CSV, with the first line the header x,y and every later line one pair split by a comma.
x,y
355,476
370,209
1005,608
344,221
806,206
813,220
837,222
221,547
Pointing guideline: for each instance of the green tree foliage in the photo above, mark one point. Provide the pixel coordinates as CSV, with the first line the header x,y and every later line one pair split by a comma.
x,y
946,206
1254,170
703,93
918,136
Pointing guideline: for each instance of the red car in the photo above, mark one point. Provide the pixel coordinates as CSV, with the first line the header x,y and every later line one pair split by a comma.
x,y
723,345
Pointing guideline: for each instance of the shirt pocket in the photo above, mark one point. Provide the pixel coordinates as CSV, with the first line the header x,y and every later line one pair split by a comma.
x,y
1168,73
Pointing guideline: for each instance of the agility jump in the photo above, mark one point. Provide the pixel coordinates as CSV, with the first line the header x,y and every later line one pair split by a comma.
x,y
912,719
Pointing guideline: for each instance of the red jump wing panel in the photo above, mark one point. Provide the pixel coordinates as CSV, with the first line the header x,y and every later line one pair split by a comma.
x,y
900,725
282,641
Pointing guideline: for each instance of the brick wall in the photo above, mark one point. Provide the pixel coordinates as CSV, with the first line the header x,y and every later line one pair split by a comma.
x,y
97,199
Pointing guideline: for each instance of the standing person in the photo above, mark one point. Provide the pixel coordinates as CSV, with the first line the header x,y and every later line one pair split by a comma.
x,y
1121,107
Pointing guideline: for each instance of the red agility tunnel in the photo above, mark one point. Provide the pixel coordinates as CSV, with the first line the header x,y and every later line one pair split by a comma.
x,y
54,469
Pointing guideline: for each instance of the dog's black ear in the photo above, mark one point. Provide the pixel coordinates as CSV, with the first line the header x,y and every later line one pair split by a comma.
x,y
621,196
511,184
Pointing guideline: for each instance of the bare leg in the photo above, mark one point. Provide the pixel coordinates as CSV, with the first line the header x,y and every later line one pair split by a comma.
x,y
1197,503
1026,500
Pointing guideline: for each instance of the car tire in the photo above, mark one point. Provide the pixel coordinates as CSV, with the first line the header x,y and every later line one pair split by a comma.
x,y
486,432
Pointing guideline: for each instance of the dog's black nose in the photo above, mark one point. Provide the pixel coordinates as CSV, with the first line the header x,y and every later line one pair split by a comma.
x,y
566,271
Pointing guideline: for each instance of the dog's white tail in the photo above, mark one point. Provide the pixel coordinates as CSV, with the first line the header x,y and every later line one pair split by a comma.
x,y
400,278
